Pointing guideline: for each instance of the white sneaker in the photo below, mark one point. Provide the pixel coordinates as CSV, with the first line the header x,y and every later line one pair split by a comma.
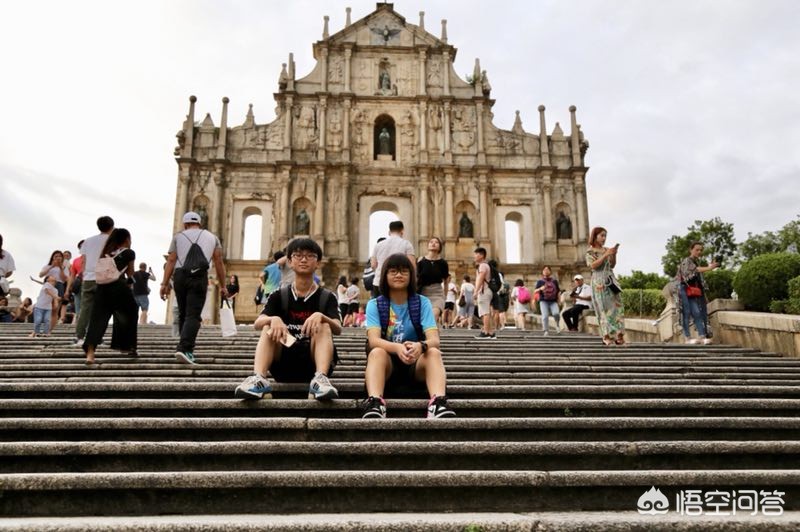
x,y
545,333
707,341
693,341
78,342
254,387
321,389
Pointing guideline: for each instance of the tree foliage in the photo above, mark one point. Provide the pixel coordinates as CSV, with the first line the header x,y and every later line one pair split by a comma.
x,y
640,280
765,278
787,238
717,238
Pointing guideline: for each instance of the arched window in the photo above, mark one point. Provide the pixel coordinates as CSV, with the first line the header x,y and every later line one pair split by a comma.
x,y
513,224
379,222
251,237
384,137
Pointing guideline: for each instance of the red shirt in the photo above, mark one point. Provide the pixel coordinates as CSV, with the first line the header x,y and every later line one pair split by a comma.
x,y
76,267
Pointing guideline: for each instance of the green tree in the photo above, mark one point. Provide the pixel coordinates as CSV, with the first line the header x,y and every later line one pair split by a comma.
x,y
640,280
755,245
789,236
716,236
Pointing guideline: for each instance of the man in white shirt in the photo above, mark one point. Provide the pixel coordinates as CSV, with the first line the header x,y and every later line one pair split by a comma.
x,y
581,297
90,251
395,243
193,250
7,267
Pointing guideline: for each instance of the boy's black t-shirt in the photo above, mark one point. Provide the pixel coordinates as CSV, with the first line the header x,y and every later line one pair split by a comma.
x,y
140,280
300,309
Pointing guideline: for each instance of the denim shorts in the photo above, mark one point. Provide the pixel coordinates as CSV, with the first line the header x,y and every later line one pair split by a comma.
x,y
143,301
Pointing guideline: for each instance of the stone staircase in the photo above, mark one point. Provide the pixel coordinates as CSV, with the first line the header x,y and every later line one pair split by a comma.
x,y
555,433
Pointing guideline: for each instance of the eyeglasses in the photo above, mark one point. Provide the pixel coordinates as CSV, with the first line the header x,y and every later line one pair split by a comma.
x,y
398,271
304,256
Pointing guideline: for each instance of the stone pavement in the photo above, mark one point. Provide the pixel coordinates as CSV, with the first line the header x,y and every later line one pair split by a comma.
x,y
552,433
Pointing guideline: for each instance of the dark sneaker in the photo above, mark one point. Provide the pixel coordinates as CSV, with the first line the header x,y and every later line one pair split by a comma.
x,y
484,336
437,407
254,387
187,357
374,408
321,389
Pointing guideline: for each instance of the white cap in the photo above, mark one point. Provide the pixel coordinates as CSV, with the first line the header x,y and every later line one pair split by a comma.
x,y
191,218
578,277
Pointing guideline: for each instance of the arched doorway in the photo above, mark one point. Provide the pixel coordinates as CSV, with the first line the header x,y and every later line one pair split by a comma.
x,y
513,225
251,238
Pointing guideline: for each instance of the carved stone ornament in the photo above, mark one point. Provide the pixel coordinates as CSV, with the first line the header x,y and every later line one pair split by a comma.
x,y
302,223
563,226
465,227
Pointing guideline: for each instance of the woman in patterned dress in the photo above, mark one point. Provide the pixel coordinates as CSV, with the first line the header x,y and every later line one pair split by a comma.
x,y
606,295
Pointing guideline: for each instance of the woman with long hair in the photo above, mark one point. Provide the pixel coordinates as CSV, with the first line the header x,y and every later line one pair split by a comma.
x,y
233,290
606,291
521,308
433,274
341,299
402,341
60,272
115,298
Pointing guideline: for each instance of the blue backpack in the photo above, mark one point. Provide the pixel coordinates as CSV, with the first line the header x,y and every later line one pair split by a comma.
x,y
414,312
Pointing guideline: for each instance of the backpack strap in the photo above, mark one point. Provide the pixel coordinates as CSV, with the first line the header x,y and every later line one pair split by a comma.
x,y
383,313
284,292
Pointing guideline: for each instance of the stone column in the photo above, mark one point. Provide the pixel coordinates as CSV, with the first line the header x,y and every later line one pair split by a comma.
x,y
332,210
423,132
483,186
184,178
580,207
319,206
479,123
188,130
323,126
344,215
548,209
423,205
575,135
284,209
543,148
449,233
215,218
324,65
348,52
223,130
287,129
446,73
446,126
346,130
422,79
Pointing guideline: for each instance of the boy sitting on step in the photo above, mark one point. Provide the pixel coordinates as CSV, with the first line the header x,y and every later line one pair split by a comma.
x,y
297,327
403,341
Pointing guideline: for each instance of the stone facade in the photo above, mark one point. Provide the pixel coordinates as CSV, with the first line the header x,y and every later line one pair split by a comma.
x,y
383,122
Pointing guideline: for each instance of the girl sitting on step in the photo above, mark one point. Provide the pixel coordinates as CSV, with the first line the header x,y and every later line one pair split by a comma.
x,y
402,341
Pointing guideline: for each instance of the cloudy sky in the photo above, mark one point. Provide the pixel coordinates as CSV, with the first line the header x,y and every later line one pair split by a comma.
x,y
691,107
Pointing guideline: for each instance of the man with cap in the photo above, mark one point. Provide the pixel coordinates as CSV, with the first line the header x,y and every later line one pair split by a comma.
x,y
581,297
193,250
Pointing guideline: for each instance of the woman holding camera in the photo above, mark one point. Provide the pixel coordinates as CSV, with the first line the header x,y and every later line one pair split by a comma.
x,y
692,294
606,292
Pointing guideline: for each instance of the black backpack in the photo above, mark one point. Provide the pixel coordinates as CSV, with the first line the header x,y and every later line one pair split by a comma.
x,y
494,279
196,263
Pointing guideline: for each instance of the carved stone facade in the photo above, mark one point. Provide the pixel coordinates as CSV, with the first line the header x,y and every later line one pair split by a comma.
x,y
383,122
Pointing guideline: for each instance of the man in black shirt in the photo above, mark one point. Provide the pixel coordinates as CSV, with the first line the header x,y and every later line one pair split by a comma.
x,y
141,291
297,327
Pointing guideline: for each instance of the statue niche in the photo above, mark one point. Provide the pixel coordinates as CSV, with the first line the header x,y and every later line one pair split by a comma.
x,y
465,227
302,223
384,138
563,226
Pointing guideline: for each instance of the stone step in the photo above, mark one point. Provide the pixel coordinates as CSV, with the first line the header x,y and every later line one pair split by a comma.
x,y
213,492
576,521
402,408
249,455
537,429
24,388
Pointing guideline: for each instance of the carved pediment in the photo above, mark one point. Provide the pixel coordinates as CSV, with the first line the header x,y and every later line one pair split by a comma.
x,y
384,27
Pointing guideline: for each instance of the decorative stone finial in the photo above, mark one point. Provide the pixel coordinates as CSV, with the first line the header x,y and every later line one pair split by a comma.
x,y
325,33
192,98
225,100
572,108
518,125
347,18
541,108
422,20
444,30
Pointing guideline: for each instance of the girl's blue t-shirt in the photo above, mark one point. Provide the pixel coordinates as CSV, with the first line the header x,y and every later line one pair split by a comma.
x,y
400,328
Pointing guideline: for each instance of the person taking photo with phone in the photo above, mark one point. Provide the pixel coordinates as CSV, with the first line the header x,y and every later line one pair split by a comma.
x,y
606,291
692,294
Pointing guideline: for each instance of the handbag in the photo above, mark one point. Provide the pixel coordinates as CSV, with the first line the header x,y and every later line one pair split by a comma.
x,y
693,291
226,320
462,301
106,272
